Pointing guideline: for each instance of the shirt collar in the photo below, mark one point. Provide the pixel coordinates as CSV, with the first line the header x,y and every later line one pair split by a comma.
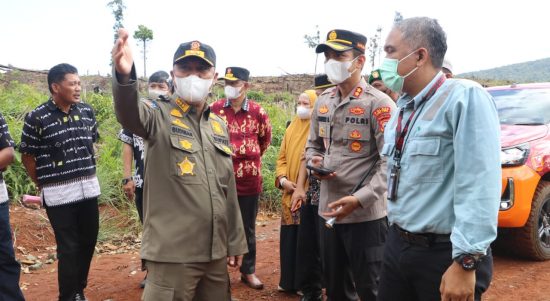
x,y
52,106
418,98
244,105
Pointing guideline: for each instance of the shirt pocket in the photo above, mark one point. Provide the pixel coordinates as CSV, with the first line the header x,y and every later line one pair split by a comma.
x,y
424,161
184,158
356,141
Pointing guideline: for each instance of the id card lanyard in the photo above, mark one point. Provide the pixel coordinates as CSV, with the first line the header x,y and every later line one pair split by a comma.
x,y
401,134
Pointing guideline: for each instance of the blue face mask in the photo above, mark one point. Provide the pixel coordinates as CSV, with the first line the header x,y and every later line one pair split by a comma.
x,y
390,76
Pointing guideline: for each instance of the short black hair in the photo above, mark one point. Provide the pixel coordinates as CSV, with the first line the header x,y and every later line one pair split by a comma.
x,y
159,77
57,74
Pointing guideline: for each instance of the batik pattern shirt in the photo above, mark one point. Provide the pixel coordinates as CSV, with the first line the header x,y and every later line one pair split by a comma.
x,y
250,136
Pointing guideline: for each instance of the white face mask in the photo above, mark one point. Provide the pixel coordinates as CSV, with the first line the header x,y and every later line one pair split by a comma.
x,y
337,72
155,93
232,92
303,112
193,89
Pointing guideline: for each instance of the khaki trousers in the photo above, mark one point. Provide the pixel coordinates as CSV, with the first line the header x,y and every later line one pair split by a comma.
x,y
186,281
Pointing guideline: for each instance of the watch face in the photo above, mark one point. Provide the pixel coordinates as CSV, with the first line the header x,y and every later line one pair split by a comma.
x,y
468,262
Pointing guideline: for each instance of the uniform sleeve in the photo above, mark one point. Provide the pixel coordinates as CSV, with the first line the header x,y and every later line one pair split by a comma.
x,y
314,144
126,137
264,137
134,115
477,178
376,186
30,137
236,241
5,137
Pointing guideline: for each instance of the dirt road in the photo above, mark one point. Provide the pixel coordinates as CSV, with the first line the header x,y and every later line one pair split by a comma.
x,y
116,277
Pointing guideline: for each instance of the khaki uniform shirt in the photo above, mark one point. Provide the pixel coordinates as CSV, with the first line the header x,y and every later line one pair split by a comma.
x,y
349,133
191,213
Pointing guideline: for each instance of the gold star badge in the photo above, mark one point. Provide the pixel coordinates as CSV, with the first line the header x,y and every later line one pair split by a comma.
x,y
186,144
186,167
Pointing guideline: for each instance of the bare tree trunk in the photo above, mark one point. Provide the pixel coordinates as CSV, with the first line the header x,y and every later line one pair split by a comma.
x,y
144,60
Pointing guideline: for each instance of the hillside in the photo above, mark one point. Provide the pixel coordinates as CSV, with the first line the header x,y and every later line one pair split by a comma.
x,y
527,72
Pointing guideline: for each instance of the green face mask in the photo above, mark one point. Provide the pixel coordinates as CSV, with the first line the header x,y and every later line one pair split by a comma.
x,y
390,76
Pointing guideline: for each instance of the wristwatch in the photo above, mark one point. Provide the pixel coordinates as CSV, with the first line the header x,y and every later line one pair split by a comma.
x,y
282,180
468,262
126,180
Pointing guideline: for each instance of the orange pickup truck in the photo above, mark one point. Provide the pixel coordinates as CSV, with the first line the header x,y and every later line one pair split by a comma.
x,y
524,217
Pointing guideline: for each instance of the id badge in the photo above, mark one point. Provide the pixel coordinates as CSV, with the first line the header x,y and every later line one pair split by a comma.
x,y
393,183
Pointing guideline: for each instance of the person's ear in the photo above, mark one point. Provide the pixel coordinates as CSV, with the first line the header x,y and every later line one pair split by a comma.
x,y
55,88
423,56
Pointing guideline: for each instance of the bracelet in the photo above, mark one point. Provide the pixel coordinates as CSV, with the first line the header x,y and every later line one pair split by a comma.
x,y
282,180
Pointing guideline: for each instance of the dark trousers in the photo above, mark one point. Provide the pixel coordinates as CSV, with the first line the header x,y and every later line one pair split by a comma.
x,y
413,273
138,195
287,249
249,210
352,258
309,268
9,267
75,227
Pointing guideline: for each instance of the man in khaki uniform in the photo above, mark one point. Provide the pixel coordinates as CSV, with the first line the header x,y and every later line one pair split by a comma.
x,y
346,136
191,215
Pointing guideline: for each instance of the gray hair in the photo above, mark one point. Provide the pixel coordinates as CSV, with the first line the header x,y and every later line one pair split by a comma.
x,y
425,32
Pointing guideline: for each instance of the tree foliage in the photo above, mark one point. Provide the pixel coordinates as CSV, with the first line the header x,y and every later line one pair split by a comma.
x,y
144,34
118,8
374,46
398,17
527,72
312,41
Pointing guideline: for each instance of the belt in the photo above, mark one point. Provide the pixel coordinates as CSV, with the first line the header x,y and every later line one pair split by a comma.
x,y
422,239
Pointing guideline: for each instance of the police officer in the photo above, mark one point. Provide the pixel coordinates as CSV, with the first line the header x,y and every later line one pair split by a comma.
x,y
192,220
444,187
376,81
346,136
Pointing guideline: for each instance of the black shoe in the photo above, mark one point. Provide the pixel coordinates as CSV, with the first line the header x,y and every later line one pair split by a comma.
x,y
80,297
312,298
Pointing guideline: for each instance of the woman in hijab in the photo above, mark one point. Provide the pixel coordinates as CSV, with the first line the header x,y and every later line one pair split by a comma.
x,y
288,165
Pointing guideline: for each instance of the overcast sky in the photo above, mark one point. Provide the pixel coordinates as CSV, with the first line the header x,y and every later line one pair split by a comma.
x,y
267,37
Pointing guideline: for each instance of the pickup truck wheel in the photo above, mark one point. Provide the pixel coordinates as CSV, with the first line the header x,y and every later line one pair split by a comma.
x,y
533,240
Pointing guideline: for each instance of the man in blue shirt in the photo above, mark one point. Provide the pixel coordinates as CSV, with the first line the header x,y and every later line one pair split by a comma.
x,y
442,146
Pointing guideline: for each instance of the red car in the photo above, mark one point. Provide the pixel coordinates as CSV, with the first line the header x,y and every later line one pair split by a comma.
x,y
524,217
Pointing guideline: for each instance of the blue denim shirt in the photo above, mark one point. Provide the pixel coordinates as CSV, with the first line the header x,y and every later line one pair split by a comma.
x,y
450,177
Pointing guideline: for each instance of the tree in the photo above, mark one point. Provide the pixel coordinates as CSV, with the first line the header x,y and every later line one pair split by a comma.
x,y
312,42
118,8
398,17
144,34
374,46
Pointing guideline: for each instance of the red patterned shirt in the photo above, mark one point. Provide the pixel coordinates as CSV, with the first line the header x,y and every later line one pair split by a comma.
x,y
250,135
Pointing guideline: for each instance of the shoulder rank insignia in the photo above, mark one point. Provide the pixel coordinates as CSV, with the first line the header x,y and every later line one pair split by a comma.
x,y
216,127
357,92
176,113
180,123
186,167
323,109
357,111
355,134
356,146
186,144
227,149
183,106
